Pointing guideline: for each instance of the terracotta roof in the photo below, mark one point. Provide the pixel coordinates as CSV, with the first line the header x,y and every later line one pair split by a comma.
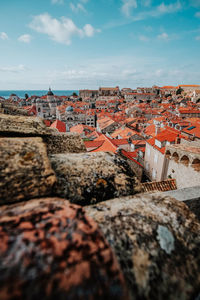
x,y
59,125
193,85
92,145
168,134
151,130
129,156
47,123
162,186
118,142
105,122
193,129
80,128
189,111
124,132
106,146
169,87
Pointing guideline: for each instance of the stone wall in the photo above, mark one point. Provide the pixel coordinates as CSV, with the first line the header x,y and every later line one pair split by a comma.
x,y
10,109
157,243
64,143
87,178
142,247
183,174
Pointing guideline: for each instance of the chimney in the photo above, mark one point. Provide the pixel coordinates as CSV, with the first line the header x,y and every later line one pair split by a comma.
x,y
157,128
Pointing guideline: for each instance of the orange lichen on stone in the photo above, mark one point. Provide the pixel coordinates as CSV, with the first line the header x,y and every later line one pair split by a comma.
x,y
50,247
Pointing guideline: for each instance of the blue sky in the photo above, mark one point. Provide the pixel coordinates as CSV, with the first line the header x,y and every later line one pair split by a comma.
x,y
74,44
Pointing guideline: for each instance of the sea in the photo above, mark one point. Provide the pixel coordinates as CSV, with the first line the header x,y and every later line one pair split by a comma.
x,y
20,93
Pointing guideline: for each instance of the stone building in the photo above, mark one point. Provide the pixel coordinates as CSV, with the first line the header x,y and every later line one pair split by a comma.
x,y
155,160
124,248
72,118
88,94
108,91
183,164
46,106
139,96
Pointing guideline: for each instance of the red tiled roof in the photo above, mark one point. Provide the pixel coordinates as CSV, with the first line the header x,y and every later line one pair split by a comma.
x,y
80,128
162,186
93,144
152,143
118,142
59,125
127,155
47,123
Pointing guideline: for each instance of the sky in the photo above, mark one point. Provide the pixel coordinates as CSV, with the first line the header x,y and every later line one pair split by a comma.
x,y
77,44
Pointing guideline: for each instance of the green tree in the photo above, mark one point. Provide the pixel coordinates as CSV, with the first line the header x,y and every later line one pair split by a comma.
x,y
179,91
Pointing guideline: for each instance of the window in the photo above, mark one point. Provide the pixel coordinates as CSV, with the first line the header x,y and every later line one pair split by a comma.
x,y
185,160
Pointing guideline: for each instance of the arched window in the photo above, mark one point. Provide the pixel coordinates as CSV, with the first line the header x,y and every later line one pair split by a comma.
x,y
168,154
196,164
185,160
39,109
175,157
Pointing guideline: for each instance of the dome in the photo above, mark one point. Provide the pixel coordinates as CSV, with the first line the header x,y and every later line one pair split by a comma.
x,y
69,109
50,93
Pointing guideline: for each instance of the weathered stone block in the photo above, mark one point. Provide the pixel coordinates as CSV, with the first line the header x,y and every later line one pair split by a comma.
x,y
22,126
64,143
25,170
87,178
50,249
157,242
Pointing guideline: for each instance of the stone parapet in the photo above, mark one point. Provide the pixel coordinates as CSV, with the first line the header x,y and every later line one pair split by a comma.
x,y
64,143
156,240
25,170
50,249
22,126
87,178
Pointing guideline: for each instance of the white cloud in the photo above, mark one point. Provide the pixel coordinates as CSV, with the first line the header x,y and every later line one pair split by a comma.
x,y
3,36
154,12
170,8
143,38
197,14
89,30
197,38
77,7
25,38
13,69
163,36
57,1
62,30
127,6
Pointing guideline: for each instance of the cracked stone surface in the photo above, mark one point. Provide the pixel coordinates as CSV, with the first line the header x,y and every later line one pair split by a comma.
x,y
87,178
25,170
22,126
50,249
64,143
156,240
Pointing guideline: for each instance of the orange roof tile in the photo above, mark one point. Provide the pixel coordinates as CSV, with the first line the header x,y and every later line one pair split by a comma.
x,y
59,125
